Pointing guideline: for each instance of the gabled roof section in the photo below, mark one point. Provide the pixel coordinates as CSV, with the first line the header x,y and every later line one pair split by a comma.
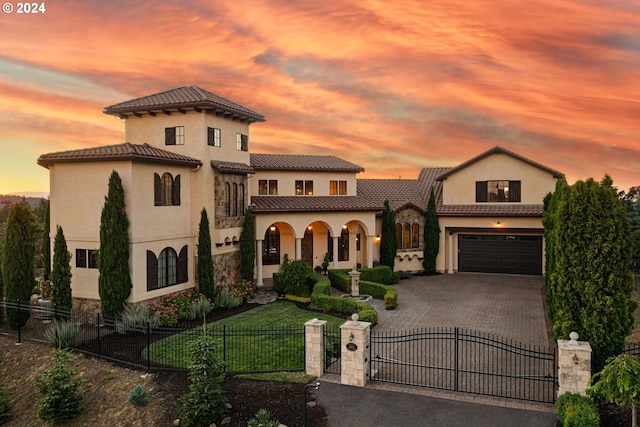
x,y
399,192
268,204
292,162
126,151
232,167
498,150
182,99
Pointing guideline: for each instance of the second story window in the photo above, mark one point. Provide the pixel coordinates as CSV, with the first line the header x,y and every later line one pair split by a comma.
x,y
498,191
166,190
174,135
338,188
214,137
242,142
304,188
268,187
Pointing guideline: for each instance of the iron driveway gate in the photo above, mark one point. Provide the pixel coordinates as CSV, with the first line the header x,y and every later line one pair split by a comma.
x,y
465,361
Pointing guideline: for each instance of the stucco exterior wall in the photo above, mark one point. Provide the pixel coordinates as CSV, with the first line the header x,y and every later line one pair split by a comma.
x,y
459,188
287,181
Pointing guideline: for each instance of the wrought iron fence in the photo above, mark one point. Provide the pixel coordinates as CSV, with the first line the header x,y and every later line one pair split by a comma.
x,y
242,349
333,350
466,361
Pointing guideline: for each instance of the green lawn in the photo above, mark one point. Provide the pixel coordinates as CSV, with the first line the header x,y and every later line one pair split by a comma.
x,y
267,338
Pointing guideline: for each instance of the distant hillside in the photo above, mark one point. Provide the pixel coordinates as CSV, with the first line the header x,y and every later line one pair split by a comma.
x,y
9,199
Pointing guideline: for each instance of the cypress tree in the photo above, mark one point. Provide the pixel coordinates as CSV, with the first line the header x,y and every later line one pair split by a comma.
x,y
46,243
205,261
388,240
248,247
114,280
1,294
431,235
61,273
18,260
591,274
549,221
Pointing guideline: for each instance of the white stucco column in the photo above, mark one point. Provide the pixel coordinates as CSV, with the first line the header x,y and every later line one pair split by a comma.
x,y
369,251
259,281
335,252
450,270
298,248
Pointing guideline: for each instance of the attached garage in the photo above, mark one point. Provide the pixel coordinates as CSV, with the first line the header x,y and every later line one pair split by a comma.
x,y
503,253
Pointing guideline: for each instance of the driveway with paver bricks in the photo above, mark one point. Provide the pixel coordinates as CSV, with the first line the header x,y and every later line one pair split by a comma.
x,y
508,306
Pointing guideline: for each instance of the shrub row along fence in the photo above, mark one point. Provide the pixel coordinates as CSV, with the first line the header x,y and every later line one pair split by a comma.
x,y
242,349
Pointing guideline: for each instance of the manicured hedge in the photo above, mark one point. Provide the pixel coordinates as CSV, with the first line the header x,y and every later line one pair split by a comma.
x,y
380,274
321,299
575,410
340,280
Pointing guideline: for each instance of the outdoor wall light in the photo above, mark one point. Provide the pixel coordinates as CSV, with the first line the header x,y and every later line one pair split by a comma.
x,y
272,228
309,228
498,224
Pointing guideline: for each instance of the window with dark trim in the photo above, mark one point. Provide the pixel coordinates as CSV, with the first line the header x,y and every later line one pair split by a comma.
x,y
242,142
415,235
86,258
174,135
214,137
399,235
166,190
498,191
271,247
268,187
168,269
338,188
304,188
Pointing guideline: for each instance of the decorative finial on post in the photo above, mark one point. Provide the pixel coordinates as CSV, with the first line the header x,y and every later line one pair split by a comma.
x,y
573,338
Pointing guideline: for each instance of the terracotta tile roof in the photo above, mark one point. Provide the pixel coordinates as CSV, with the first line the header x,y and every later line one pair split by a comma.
x,y
399,192
311,204
505,210
302,163
232,167
184,98
499,150
126,151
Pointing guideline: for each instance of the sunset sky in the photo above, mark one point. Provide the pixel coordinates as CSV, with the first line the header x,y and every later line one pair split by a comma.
x,y
391,86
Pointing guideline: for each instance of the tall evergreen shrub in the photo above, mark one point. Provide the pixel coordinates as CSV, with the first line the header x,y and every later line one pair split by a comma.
x,y
205,261
61,273
248,247
388,240
46,243
18,259
590,279
114,280
431,235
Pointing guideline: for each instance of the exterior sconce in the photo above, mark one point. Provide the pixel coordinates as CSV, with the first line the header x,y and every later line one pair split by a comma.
x,y
309,228
377,238
272,228
344,227
498,224
575,359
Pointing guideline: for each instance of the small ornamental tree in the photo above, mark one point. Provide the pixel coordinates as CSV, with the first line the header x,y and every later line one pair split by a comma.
x,y
206,283
17,262
619,383
114,280
46,243
248,247
61,273
431,235
388,240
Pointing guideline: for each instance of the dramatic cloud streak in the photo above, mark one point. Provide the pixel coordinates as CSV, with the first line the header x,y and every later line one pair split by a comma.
x,y
391,87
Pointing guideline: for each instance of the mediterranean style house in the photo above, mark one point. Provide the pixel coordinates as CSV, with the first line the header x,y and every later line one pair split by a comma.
x,y
188,149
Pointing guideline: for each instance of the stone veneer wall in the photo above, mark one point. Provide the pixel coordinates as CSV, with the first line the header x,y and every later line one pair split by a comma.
x,y
226,267
411,216
220,214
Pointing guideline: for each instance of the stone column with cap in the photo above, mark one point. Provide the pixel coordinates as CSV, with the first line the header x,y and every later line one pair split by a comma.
x,y
354,275
314,347
354,356
574,365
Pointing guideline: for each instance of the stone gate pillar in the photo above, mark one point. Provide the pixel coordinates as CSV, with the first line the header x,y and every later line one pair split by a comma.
x,y
354,357
574,365
314,347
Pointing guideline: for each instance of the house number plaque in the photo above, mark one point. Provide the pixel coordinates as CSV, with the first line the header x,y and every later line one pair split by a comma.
x,y
351,346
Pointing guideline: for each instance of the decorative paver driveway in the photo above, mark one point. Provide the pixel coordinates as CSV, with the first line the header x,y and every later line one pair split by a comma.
x,y
507,306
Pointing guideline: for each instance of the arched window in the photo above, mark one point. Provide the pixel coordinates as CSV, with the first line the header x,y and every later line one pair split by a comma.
x,y
166,190
235,199
415,235
343,245
271,246
241,204
228,198
399,235
167,267
406,237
